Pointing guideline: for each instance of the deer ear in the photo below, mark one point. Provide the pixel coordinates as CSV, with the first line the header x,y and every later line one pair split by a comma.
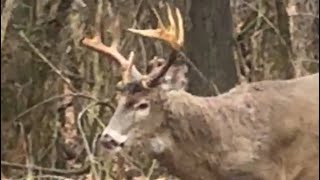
x,y
175,78
154,64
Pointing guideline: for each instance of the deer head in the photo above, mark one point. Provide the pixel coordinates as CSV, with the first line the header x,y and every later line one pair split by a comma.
x,y
139,111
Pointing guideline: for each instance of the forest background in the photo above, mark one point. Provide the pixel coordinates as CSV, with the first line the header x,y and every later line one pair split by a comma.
x,y
55,94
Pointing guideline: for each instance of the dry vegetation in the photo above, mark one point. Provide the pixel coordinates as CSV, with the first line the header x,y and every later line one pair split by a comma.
x,y
57,96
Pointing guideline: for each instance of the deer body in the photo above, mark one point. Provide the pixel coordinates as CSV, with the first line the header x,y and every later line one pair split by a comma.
x,y
263,130
266,130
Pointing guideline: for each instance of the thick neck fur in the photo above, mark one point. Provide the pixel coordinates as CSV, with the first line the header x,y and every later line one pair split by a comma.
x,y
239,134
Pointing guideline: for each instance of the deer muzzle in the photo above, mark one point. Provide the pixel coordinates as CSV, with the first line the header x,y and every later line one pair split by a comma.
x,y
112,140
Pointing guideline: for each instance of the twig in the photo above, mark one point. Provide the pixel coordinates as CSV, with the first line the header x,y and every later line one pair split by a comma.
x,y
85,169
121,169
308,60
246,29
60,97
143,54
86,143
98,24
5,17
151,168
77,77
46,177
268,21
239,63
53,67
305,14
55,137
134,24
135,164
137,12
29,158
94,143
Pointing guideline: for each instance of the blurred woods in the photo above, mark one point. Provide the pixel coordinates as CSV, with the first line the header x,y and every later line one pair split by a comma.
x,y
56,96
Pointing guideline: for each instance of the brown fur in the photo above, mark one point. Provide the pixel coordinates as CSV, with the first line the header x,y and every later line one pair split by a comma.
x,y
265,130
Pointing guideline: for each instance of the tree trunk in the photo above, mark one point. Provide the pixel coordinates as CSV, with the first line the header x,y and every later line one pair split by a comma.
x,y
209,46
304,29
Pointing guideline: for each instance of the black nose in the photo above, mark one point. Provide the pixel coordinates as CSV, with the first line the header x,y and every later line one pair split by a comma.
x,y
109,143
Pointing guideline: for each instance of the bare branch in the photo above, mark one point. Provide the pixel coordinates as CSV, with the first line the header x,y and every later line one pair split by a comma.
x,y
85,169
5,17
107,103
86,143
46,60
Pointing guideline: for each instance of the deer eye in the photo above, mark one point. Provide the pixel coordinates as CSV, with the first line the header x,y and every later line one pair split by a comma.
x,y
143,106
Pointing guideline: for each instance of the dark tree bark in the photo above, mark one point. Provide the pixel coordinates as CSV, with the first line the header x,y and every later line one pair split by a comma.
x,y
209,46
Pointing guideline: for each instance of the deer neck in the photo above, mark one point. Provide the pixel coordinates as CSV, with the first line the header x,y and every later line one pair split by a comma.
x,y
185,132
199,130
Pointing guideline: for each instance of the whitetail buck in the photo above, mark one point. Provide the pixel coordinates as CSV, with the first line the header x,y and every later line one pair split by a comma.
x,y
266,130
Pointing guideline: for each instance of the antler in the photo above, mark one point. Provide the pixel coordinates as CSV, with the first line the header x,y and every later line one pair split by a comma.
x,y
95,43
172,34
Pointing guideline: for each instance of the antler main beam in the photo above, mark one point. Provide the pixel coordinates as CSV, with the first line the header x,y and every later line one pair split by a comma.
x,y
96,44
129,71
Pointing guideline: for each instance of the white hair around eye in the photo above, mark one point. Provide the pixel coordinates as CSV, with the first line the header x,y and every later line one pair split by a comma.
x,y
142,108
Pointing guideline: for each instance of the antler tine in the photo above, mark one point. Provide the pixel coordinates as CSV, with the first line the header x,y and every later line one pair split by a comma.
x,y
172,28
180,39
126,74
96,44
